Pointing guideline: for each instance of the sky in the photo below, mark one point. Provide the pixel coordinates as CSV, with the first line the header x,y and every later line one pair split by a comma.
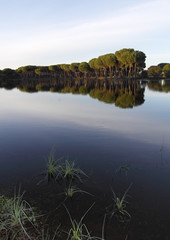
x,y
41,32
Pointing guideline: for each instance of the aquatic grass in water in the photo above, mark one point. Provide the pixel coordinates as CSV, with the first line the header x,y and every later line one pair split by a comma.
x,y
58,170
15,214
69,171
78,230
119,206
52,172
70,191
53,167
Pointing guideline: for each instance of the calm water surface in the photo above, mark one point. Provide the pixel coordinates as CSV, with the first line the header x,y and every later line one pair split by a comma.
x,y
99,137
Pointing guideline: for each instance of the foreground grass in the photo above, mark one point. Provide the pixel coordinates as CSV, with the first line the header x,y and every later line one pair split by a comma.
x,y
16,216
20,221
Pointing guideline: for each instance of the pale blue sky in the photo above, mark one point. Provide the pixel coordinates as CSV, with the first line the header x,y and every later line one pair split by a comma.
x,y
40,32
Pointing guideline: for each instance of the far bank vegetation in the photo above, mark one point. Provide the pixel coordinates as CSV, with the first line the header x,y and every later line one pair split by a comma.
x,y
125,63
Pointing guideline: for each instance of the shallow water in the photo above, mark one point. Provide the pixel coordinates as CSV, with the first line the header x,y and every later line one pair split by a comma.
x,y
100,137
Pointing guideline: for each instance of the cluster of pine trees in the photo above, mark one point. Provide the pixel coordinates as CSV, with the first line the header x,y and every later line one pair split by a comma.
x,y
126,62
162,70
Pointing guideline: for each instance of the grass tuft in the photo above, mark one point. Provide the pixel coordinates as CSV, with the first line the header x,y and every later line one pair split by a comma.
x,y
69,171
78,230
15,215
71,190
119,207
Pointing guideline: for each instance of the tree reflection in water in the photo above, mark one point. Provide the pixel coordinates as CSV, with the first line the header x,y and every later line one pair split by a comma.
x,y
124,93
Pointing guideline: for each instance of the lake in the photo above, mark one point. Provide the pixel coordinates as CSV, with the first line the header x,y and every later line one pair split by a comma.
x,y
117,147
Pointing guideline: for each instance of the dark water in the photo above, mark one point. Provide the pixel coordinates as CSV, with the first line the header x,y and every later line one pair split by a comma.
x,y
100,137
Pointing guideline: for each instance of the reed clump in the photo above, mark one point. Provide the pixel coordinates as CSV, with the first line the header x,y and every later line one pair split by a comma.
x,y
16,216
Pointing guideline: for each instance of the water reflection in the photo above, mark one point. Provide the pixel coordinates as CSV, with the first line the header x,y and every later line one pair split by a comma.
x,y
101,138
160,86
124,93
75,111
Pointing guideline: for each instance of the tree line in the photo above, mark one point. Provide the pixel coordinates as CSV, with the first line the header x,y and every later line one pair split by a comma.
x,y
125,63
162,70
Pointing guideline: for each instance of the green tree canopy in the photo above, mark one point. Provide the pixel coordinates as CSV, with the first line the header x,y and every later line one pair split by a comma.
x,y
84,67
65,67
161,65
166,70
92,63
110,60
8,70
99,62
28,68
41,70
140,59
54,68
125,56
74,67
128,58
154,72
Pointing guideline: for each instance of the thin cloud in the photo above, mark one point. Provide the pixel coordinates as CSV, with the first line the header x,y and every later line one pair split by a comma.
x,y
136,26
